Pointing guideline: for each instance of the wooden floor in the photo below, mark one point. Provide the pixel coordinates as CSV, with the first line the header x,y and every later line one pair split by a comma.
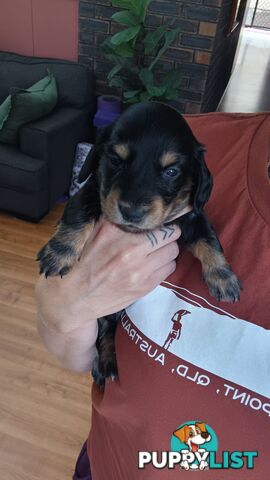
x,y
44,410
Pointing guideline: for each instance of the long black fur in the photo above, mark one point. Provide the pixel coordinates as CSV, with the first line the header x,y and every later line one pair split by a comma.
x,y
149,130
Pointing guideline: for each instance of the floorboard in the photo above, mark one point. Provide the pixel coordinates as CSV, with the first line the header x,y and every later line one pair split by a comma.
x,y
44,409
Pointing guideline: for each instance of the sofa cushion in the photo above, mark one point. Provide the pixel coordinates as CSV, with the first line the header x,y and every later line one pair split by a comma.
x,y
75,82
23,106
54,138
20,172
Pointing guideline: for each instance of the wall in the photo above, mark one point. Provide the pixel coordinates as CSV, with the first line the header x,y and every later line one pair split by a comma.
x,y
40,27
192,52
189,53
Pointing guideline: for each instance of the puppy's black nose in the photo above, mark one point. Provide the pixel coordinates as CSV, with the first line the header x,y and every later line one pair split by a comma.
x,y
132,214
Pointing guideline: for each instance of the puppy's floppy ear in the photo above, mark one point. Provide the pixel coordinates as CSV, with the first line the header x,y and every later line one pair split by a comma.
x,y
204,179
93,157
201,426
182,434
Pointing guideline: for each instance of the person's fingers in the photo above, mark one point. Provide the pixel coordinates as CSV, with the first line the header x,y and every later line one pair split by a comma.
x,y
114,239
161,237
162,256
147,286
161,274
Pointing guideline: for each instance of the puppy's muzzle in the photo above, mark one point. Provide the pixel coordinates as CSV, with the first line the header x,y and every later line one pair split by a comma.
x,y
131,213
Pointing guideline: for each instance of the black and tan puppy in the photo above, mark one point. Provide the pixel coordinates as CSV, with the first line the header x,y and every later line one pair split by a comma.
x,y
145,169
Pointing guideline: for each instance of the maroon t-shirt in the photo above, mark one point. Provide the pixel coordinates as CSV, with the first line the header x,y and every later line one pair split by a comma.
x,y
204,385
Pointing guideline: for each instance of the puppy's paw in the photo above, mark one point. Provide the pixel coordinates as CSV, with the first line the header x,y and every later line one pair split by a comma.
x,y
104,369
98,377
56,258
223,284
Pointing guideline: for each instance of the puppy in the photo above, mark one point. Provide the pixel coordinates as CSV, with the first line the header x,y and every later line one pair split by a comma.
x,y
194,436
145,169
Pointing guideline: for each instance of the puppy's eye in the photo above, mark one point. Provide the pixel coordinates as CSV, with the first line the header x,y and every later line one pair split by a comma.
x,y
115,160
171,172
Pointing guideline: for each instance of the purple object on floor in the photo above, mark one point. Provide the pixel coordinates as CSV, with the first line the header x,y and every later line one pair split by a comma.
x,y
82,469
109,109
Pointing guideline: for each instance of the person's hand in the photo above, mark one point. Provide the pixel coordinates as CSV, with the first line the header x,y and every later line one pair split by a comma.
x,y
116,268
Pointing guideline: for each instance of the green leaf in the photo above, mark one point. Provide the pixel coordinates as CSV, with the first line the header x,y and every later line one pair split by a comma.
x,y
125,35
117,82
172,79
146,76
137,7
125,18
171,95
130,94
168,39
153,38
114,71
122,3
145,96
124,50
156,91
132,100
131,5
171,83
124,62
142,8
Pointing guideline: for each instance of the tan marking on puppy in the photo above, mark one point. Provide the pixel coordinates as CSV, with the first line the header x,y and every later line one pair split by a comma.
x,y
208,256
158,211
168,158
109,206
222,283
74,240
122,150
181,204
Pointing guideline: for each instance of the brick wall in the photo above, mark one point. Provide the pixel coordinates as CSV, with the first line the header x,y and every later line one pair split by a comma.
x,y
195,52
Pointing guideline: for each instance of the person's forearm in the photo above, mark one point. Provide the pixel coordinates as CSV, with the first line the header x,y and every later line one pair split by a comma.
x,y
76,350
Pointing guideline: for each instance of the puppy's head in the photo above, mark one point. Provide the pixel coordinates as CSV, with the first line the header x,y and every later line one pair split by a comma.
x,y
150,168
193,435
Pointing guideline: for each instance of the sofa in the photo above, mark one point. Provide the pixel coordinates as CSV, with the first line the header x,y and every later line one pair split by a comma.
x,y
37,171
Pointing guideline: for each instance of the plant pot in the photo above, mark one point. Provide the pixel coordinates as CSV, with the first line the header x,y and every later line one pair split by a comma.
x,y
109,110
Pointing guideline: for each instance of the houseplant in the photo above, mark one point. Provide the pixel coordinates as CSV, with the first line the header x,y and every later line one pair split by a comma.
x,y
134,52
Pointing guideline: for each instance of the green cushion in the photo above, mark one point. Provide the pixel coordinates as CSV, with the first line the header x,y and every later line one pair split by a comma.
x,y
23,106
